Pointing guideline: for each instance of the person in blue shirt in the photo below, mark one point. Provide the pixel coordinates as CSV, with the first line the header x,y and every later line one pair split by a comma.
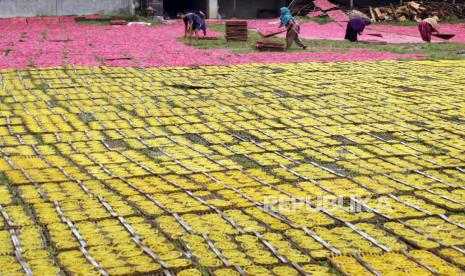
x,y
193,23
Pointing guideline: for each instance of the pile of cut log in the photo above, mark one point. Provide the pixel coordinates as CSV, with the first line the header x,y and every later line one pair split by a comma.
x,y
236,31
270,46
301,7
414,11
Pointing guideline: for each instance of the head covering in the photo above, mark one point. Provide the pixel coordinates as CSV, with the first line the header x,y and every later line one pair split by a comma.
x,y
356,13
286,16
433,21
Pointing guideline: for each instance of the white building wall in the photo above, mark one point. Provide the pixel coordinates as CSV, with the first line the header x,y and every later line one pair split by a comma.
x,y
213,9
14,8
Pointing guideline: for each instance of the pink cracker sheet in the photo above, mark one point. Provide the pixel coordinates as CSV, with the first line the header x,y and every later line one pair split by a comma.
x,y
390,37
324,5
55,41
315,14
266,26
330,31
263,23
457,29
389,34
338,15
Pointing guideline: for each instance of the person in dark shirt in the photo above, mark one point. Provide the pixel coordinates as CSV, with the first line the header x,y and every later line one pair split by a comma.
x,y
193,24
204,24
355,27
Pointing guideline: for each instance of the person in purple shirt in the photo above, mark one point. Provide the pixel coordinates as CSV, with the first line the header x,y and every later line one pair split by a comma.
x,y
355,26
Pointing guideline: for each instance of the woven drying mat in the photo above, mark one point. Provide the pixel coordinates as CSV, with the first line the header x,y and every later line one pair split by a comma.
x,y
236,31
270,46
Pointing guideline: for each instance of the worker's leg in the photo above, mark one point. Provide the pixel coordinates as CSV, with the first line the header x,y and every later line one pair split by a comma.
x,y
297,39
189,36
351,34
299,42
196,36
425,31
422,32
204,28
290,37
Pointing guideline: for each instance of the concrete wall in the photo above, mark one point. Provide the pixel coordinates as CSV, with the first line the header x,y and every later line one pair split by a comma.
x,y
13,8
173,7
213,9
248,9
244,8
94,6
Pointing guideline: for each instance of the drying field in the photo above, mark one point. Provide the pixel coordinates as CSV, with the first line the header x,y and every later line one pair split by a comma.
x,y
311,168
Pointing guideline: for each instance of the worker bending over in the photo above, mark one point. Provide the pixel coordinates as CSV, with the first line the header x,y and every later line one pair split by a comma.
x,y
293,29
355,27
193,24
198,18
204,23
427,27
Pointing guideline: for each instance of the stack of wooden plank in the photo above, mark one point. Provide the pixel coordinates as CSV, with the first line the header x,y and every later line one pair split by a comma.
x,y
236,31
416,12
270,46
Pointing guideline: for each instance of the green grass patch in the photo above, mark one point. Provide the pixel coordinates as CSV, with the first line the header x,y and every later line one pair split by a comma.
x,y
451,20
7,52
324,19
87,117
30,62
245,162
54,102
105,19
154,155
434,51
95,22
402,48
197,139
398,23
43,87
234,46
332,268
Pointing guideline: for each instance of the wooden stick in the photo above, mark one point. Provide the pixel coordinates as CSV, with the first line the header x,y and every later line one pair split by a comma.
x,y
291,4
372,14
